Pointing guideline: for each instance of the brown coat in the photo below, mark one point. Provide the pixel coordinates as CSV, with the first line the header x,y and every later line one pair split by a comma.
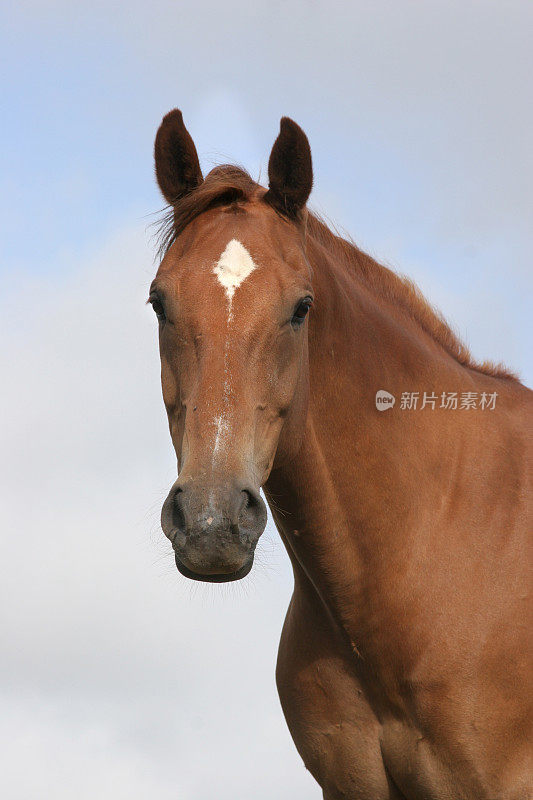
x,y
404,668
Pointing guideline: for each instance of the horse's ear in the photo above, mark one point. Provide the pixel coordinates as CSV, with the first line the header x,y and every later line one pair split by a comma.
x,y
290,170
176,161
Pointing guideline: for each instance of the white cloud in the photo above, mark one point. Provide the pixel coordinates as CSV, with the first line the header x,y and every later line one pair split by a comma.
x,y
120,678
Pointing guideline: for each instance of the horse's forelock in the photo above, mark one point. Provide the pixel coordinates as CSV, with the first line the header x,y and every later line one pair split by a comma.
x,y
223,185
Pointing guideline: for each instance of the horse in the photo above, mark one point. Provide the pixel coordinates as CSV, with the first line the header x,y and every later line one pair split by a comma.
x,y
396,467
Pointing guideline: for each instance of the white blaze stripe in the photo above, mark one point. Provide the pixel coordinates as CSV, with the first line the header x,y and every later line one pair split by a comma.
x,y
223,430
233,267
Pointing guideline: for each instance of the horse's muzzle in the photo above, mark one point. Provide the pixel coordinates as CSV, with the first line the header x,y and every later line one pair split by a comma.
x,y
213,530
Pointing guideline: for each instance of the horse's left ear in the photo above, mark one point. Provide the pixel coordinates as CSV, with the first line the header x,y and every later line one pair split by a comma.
x,y
176,161
290,170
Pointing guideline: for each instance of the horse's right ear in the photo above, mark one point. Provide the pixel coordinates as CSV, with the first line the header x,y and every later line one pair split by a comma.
x,y
176,161
290,170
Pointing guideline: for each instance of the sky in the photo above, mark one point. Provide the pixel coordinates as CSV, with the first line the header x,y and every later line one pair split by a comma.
x,y
118,677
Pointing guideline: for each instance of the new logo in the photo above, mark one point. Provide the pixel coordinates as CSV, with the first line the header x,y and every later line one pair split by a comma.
x,y
384,400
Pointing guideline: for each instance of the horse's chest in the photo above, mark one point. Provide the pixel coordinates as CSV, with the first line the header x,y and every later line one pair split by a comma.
x,y
415,766
330,720
349,751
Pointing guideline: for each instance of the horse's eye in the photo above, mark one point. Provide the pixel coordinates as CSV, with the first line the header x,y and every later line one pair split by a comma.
x,y
157,305
300,312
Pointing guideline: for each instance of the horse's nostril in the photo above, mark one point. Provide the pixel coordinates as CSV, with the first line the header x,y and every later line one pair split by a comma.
x,y
247,500
252,508
178,516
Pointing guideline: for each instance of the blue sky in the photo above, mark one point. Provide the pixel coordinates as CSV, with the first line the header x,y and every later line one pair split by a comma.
x,y
117,673
419,119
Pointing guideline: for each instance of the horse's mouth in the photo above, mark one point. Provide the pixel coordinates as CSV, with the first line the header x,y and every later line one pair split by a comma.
x,y
217,577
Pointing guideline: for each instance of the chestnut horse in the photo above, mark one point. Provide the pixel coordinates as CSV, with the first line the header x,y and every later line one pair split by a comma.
x,y
396,468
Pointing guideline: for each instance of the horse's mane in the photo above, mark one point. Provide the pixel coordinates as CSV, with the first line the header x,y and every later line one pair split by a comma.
x,y
229,184
401,291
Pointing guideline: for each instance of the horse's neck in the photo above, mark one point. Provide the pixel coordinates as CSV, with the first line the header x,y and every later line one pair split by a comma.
x,y
365,484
